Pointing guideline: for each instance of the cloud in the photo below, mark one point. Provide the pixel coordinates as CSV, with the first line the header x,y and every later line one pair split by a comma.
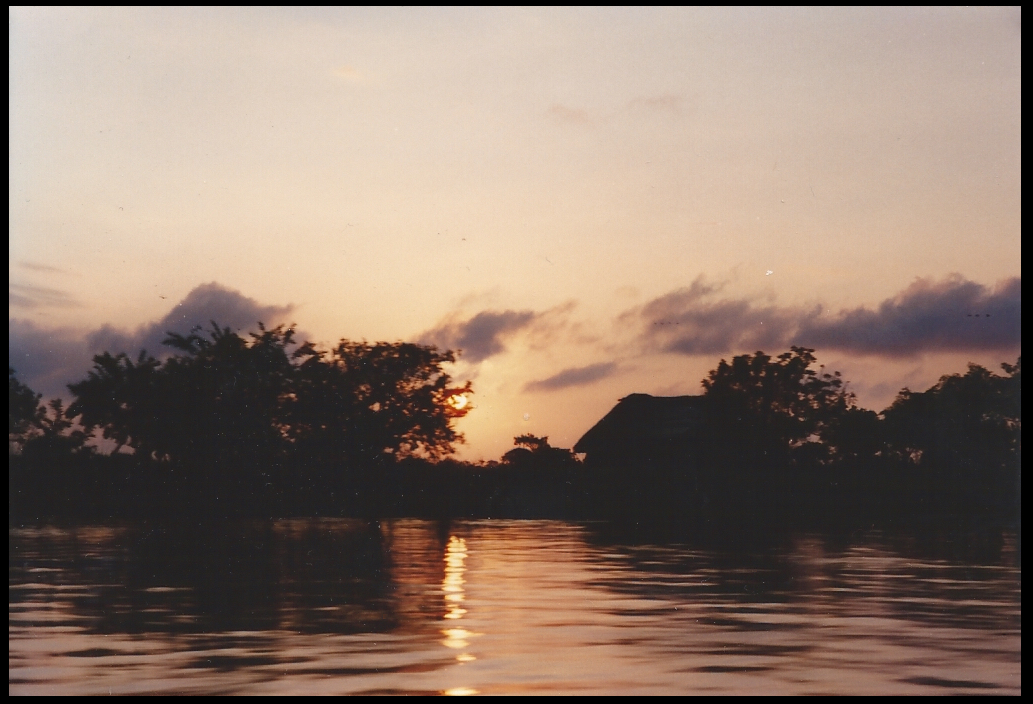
x,y
205,303
25,296
952,315
49,358
487,333
40,268
690,321
482,335
575,376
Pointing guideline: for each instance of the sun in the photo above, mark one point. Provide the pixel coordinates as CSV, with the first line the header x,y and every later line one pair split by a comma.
x,y
458,401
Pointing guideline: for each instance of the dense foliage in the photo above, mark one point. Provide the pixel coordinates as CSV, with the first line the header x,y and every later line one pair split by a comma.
x,y
773,405
227,399
966,431
24,409
42,432
228,424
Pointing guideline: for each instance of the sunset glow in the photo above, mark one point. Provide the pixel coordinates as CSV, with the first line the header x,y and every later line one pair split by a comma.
x,y
458,402
456,637
617,198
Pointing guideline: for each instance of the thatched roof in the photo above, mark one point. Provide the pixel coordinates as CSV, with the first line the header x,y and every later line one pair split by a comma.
x,y
643,418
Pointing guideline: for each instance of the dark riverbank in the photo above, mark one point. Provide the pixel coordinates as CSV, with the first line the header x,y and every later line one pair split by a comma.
x,y
123,488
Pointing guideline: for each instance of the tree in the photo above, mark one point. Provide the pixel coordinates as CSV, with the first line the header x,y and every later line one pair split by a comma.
x,y
56,437
759,405
24,411
970,422
536,452
219,401
361,402
122,398
855,435
225,400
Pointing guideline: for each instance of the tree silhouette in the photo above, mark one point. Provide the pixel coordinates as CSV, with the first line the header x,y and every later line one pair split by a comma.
x,y
855,435
257,423
772,406
227,400
533,451
24,411
55,437
362,401
965,423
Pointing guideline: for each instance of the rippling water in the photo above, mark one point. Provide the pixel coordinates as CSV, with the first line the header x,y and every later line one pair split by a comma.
x,y
334,606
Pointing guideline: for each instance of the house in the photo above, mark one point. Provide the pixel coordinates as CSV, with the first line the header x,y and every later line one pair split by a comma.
x,y
645,429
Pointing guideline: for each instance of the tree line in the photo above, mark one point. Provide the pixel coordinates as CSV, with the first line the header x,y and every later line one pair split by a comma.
x,y
782,436
229,424
242,420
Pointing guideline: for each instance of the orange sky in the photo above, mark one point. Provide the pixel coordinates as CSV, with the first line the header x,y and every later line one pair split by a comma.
x,y
589,202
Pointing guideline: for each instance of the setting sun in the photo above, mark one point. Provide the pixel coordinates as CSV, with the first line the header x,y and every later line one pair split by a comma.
x,y
515,351
459,401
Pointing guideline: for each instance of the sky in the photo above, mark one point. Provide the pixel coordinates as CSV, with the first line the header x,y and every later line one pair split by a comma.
x,y
587,202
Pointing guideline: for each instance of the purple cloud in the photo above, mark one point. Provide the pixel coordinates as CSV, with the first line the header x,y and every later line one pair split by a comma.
x,y
47,359
575,376
202,305
482,335
952,315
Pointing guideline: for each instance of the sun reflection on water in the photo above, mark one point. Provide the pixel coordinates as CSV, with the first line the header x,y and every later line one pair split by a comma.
x,y
455,556
571,611
456,637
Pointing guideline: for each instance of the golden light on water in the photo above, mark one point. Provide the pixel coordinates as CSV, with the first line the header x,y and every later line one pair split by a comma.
x,y
452,586
456,637
565,616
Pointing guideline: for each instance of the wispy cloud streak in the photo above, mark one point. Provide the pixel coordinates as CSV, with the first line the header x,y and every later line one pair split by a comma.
x,y
575,376
26,296
40,268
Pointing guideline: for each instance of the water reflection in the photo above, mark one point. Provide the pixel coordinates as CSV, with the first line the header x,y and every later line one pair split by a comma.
x,y
334,606
455,556
460,692
456,637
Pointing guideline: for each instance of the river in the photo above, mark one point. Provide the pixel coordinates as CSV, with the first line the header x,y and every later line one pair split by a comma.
x,y
341,606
